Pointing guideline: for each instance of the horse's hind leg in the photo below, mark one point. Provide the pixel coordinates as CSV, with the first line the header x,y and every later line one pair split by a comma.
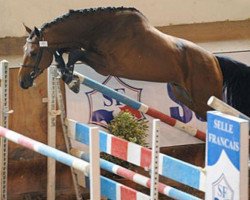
x,y
184,97
181,94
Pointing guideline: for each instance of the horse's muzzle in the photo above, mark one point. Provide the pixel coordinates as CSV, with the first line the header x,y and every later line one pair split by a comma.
x,y
26,82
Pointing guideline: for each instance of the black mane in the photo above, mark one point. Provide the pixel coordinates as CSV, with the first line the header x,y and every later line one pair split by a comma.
x,y
89,11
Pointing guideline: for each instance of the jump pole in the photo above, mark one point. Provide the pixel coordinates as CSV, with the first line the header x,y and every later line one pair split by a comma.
x,y
168,166
140,179
137,178
223,178
141,107
219,177
113,190
221,106
60,156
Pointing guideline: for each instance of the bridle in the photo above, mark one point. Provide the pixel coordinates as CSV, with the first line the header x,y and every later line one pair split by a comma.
x,y
43,45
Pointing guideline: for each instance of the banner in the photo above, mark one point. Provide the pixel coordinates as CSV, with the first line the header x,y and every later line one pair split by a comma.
x,y
92,107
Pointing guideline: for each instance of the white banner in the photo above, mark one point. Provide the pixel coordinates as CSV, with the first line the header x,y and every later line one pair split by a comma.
x,y
92,107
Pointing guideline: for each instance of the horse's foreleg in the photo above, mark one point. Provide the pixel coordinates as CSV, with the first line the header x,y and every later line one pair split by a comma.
x,y
60,63
67,73
94,60
69,78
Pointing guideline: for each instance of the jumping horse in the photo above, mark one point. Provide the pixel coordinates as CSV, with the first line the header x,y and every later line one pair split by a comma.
x,y
121,42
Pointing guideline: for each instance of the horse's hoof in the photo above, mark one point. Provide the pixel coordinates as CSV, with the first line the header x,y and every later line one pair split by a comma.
x,y
74,85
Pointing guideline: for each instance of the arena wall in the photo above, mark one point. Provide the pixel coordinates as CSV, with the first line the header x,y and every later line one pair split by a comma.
x,y
162,13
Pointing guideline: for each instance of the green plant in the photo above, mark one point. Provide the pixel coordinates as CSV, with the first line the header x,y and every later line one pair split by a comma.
x,y
126,126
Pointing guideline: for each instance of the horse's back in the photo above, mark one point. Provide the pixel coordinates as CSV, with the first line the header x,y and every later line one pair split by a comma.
x,y
151,55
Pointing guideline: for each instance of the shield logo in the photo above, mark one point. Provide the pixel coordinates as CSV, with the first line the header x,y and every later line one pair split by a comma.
x,y
103,108
222,190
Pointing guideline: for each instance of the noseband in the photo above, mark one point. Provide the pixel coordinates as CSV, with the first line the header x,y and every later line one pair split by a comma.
x,y
36,69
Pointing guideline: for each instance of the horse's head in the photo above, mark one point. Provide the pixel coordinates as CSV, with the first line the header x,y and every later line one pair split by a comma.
x,y
37,57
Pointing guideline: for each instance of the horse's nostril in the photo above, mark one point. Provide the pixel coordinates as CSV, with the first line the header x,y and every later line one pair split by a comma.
x,y
26,83
23,85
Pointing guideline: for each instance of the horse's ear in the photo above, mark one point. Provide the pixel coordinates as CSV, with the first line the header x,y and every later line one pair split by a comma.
x,y
27,28
37,32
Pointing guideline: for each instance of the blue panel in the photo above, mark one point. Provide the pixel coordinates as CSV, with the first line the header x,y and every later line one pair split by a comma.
x,y
103,141
82,133
108,188
177,194
181,171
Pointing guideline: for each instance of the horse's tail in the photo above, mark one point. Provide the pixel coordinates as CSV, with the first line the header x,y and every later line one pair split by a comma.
x,y
236,84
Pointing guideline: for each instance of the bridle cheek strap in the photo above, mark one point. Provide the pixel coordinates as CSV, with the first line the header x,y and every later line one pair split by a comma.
x,y
36,69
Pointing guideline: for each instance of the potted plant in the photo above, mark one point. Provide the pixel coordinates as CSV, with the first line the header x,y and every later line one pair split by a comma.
x,y
126,126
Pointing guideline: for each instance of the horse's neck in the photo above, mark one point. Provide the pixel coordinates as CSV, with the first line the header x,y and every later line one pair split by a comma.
x,y
72,32
61,36
84,31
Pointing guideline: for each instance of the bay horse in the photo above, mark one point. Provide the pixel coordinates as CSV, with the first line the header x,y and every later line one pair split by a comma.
x,y
121,42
